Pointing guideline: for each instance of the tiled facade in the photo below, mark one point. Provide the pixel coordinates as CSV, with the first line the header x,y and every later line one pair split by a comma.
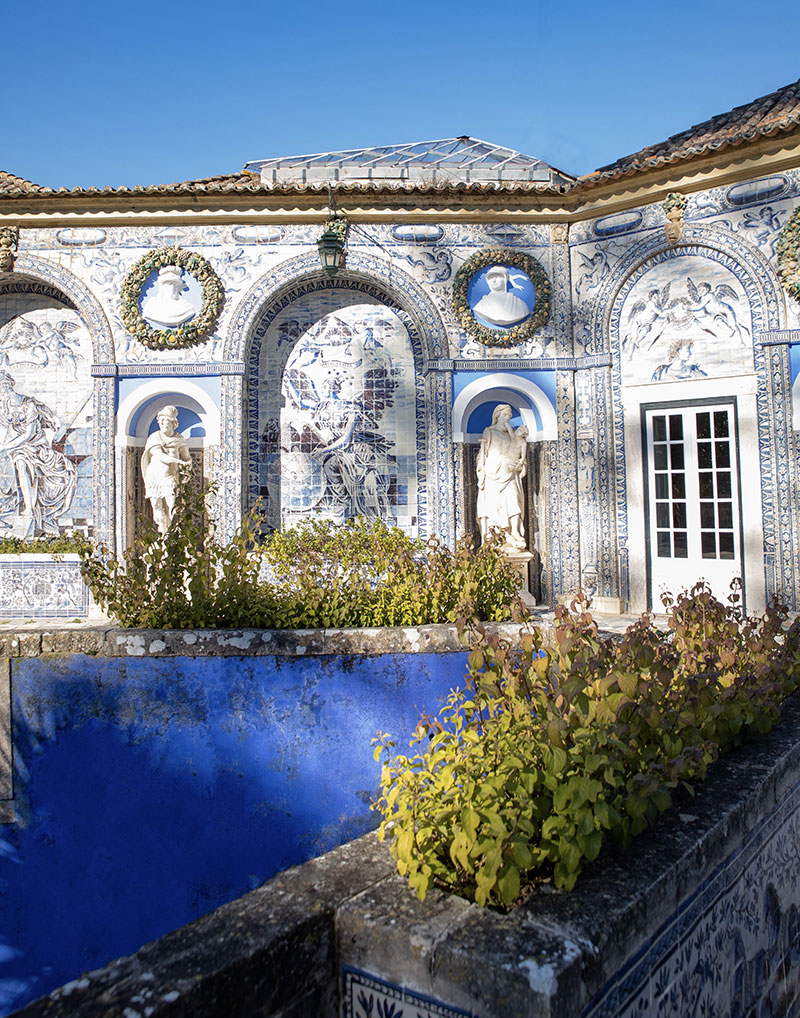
x,y
355,393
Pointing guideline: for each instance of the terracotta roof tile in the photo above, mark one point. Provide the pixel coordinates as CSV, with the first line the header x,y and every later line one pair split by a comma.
x,y
778,111
11,185
245,181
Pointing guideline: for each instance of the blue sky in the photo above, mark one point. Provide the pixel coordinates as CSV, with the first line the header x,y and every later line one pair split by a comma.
x,y
99,93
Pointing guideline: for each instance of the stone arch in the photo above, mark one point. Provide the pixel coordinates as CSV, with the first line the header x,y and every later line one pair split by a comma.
x,y
762,289
757,276
401,292
80,297
32,273
379,281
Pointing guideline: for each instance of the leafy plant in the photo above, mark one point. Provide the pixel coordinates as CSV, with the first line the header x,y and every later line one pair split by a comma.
x,y
364,573
181,579
55,545
554,747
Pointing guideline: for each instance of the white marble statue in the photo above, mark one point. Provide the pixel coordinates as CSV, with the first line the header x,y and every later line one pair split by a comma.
x,y
499,306
165,304
37,481
501,467
166,464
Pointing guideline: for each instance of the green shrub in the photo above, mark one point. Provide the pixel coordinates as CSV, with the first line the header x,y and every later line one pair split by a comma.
x,y
56,545
553,747
317,575
183,579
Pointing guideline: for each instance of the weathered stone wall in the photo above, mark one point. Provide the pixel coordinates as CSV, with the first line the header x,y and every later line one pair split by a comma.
x,y
160,774
699,917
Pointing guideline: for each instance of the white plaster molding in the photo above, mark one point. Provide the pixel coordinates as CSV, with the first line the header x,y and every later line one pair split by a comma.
x,y
505,387
159,393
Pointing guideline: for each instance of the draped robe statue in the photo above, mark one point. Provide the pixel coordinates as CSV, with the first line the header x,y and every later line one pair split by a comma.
x,y
501,467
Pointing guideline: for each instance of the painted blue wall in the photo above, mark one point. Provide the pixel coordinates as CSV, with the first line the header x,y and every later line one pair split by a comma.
x,y
149,791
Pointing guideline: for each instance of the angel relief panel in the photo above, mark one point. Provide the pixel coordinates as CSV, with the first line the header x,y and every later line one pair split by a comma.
x,y
45,424
685,318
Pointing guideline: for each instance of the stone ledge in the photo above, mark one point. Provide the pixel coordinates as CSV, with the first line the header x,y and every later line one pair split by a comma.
x,y
109,641
279,950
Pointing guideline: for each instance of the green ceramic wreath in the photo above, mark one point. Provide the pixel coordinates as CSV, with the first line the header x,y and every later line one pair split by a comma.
x,y
519,260
197,328
788,249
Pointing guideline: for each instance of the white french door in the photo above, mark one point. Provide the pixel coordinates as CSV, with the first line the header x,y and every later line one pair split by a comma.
x,y
693,499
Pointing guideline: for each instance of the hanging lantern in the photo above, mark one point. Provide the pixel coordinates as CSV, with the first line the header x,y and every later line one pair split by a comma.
x,y
331,245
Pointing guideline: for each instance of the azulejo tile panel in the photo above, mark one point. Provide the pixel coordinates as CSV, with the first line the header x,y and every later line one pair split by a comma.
x,y
665,315
733,947
365,996
37,587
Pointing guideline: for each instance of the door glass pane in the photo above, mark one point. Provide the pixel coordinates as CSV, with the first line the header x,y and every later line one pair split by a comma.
x,y
707,521
694,518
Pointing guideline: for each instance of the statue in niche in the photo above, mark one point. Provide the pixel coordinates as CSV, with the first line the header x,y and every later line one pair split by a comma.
x,y
499,306
165,305
501,466
37,481
166,464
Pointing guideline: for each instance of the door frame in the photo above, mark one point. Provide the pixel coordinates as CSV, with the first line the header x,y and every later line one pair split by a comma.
x,y
674,404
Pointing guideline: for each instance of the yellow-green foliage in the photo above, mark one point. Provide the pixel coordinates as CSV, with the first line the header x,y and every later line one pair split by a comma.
x,y
318,575
555,746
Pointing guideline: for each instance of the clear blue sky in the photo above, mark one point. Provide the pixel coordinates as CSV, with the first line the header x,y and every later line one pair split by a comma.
x,y
108,93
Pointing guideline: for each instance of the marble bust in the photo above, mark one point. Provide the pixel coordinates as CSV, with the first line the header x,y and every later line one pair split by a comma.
x,y
166,464
499,306
165,304
501,466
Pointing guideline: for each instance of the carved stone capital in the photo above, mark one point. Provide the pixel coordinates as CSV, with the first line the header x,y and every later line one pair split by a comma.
x,y
559,233
674,206
9,238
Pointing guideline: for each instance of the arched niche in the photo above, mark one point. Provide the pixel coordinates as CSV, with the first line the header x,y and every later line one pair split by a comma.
x,y
533,407
52,331
198,422
268,325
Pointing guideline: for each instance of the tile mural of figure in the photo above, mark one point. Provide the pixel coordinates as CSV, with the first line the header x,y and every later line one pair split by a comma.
x,y
342,453
46,422
37,482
